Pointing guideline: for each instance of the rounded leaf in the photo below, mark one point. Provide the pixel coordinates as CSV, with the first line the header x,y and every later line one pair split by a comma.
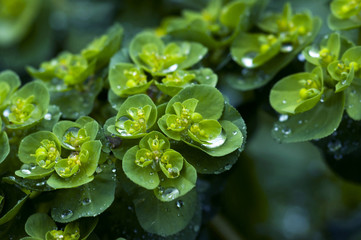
x,y
298,92
210,100
143,176
38,225
32,100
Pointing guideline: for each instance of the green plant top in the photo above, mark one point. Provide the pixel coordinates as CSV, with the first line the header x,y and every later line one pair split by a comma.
x,y
214,26
43,153
264,53
311,98
345,14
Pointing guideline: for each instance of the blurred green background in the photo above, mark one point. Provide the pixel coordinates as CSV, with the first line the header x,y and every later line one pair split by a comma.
x,y
275,191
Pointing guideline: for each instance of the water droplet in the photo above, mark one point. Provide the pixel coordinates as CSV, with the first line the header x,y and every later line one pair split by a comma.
x,y
47,116
25,171
180,203
234,133
66,214
172,68
314,53
98,170
334,146
283,118
114,170
74,131
276,128
353,92
169,193
286,47
247,59
196,228
343,82
12,178
218,141
228,167
151,173
286,131
337,156
86,201
300,121
301,57
39,184
6,113
284,101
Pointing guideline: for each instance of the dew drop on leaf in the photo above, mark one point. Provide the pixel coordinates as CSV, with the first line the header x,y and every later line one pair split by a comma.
x,y
218,141
66,214
247,60
86,201
98,170
313,53
180,203
283,118
47,116
170,193
25,171
39,184
286,47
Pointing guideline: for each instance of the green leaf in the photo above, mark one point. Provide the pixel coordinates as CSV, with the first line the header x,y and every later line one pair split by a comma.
x,y
140,40
345,83
9,80
126,79
13,211
162,123
4,146
104,47
252,50
180,55
143,176
38,225
298,92
228,141
202,76
121,56
210,100
167,218
353,100
233,13
173,188
81,103
248,79
342,24
319,122
39,94
35,172
114,100
129,114
77,180
38,185
88,200
49,120
145,141
89,132
32,142
329,50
